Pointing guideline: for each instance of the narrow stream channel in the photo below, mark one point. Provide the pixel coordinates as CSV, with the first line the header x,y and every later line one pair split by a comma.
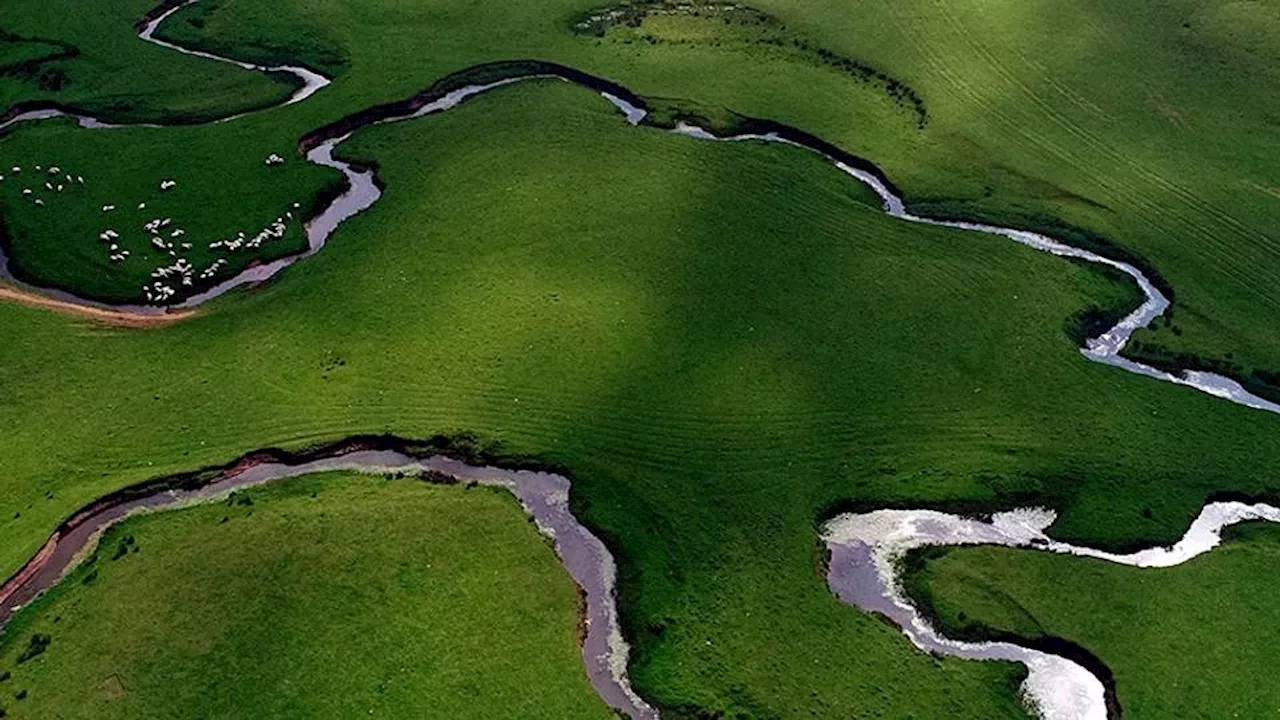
x,y
864,547
311,81
545,496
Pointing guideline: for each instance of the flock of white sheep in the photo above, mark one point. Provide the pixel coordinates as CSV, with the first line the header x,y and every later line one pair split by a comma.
x,y
167,239
55,183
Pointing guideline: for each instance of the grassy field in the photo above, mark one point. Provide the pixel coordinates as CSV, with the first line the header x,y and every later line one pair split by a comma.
x,y
1189,641
1151,126
330,595
722,342
103,68
59,243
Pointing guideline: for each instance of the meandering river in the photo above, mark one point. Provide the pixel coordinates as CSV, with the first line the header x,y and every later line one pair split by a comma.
x,y
544,495
864,547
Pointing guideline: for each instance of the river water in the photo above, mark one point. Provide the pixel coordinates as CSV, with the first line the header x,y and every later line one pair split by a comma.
x,y
864,547
545,496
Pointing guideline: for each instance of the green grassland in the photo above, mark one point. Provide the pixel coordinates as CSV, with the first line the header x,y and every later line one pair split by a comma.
x,y
224,188
1190,641
1149,125
105,70
722,343
390,65
324,596
22,57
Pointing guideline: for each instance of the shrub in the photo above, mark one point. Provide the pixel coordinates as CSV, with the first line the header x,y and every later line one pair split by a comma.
x,y
36,646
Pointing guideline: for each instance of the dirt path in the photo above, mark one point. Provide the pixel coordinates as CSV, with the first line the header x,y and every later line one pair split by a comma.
x,y
104,316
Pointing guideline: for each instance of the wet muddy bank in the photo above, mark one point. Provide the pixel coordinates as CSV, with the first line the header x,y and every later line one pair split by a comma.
x,y
543,494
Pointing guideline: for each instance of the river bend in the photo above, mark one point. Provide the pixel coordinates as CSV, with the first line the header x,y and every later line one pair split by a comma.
x,y
864,547
544,495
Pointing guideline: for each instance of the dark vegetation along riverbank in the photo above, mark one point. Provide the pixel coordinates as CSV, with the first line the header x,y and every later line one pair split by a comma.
x,y
733,339
728,26
66,546
916,575
32,60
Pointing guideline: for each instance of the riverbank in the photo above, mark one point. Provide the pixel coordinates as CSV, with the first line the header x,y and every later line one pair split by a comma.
x,y
410,582
544,496
1161,632
664,350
